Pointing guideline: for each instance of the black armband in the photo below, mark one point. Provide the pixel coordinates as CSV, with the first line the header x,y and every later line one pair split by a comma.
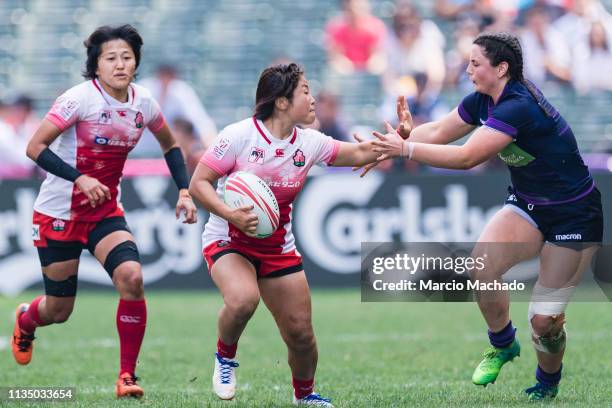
x,y
176,164
52,163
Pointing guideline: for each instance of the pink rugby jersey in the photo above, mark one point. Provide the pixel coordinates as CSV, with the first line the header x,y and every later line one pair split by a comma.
x,y
283,164
98,132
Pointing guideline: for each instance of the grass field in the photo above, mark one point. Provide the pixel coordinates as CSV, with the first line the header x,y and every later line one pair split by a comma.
x,y
370,354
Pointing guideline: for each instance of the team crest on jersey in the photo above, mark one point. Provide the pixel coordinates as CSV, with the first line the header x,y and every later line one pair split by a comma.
x,y
139,120
105,117
58,225
299,159
256,156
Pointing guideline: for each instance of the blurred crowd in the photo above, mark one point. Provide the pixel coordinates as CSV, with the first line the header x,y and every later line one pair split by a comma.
x,y
566,44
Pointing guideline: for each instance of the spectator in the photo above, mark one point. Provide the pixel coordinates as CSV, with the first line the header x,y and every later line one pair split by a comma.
x,y
547,55
177,100
576,25
354,39
328,117
416,65
453,9
555,9
19,114
458,58
592,61
13,160
191,146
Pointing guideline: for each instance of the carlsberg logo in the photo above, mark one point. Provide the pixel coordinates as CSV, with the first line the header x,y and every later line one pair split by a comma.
x,y
334,217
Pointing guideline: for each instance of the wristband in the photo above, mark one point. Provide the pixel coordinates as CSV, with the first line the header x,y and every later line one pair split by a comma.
x,y
410,150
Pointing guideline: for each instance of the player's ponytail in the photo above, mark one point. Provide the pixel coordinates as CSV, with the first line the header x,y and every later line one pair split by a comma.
x,y
275,82
499,47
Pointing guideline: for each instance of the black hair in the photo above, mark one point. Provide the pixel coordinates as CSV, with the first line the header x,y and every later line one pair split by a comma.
x,y
108,33
500,47
275,82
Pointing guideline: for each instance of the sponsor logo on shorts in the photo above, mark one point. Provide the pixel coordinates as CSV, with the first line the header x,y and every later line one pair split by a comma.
x,y
512,197
129,319
257,155
36,232
565,237
222,244
58,225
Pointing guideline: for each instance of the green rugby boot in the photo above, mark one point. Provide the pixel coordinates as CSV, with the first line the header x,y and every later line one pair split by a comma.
x,y
494,358
541,392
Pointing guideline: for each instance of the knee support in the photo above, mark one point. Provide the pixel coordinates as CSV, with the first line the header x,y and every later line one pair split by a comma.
x,y
125,251
549,302
64,288
50,255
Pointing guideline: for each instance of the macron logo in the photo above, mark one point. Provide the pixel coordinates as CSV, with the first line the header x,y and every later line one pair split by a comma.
x,y
565,237
129,319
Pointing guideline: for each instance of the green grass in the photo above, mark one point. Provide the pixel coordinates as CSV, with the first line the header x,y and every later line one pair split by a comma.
x,y
370,354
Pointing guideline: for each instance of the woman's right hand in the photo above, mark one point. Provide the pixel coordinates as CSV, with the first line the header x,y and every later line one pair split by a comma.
x,y
95,191
404,117
244,219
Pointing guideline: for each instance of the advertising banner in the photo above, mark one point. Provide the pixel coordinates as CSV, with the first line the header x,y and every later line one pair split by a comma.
x,y
334,214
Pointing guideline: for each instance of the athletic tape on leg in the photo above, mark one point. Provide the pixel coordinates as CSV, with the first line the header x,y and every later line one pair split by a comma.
x,y
125,251
63,288
549,302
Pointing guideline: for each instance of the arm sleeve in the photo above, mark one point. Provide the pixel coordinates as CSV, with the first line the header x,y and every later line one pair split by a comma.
x,y
468,109
66,110
176,164
222,154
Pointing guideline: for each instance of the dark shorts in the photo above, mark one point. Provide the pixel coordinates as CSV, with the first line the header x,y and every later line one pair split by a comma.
x,y
62,240
266,265
576,221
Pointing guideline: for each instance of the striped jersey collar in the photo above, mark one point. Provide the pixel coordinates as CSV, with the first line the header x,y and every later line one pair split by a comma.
x,y
266,134
112,101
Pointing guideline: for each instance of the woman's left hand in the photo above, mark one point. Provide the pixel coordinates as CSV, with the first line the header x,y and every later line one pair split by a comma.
x,y
186,206
389,145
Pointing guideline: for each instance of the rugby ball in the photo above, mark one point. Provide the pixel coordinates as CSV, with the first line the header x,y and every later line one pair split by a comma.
x,y
242,188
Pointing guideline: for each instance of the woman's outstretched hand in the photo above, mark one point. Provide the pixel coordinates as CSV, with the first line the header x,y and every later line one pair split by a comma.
x,y
390,144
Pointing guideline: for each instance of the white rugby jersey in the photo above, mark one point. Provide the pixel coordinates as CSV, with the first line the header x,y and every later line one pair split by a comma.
x,y
98,132
283,164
